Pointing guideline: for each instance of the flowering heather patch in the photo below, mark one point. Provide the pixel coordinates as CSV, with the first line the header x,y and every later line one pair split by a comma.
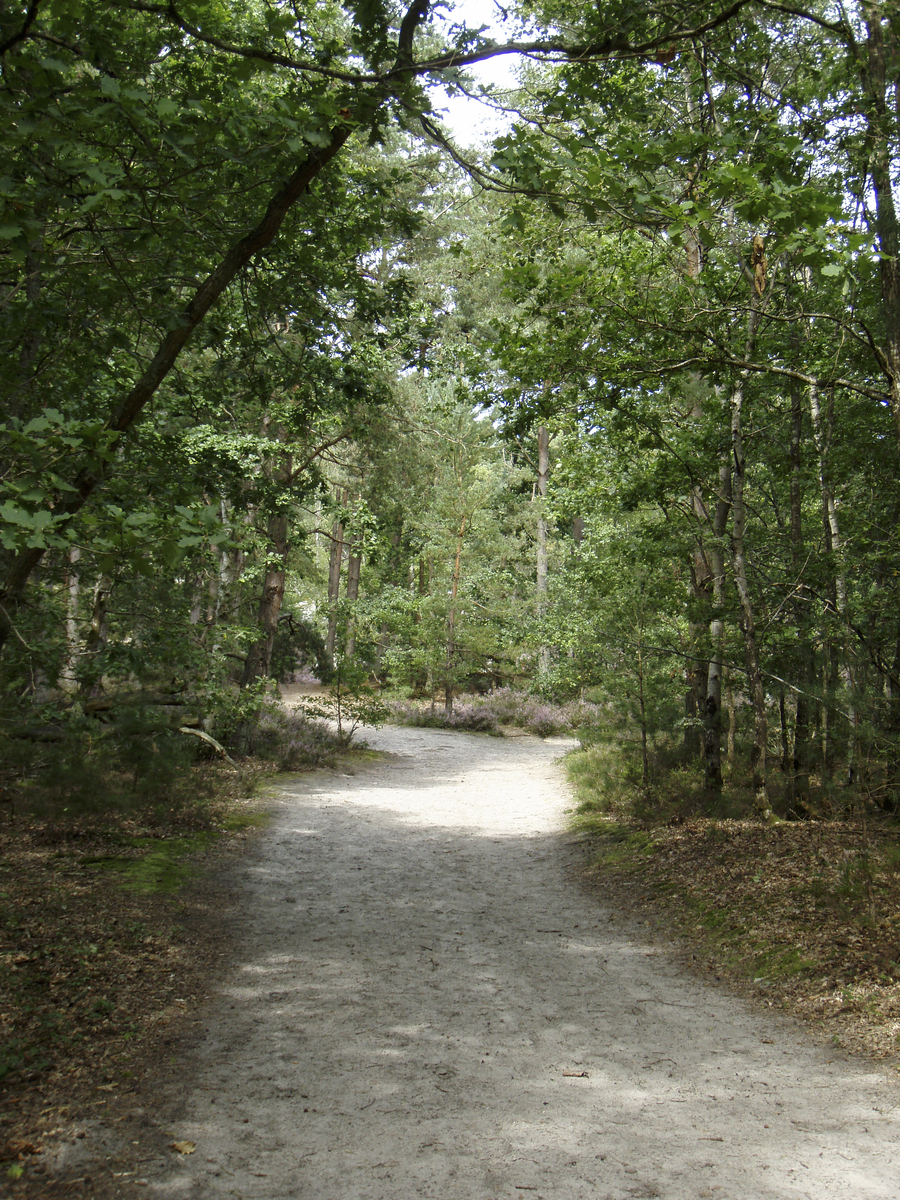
x,y
476,717
293,741
507,703
542,719
506,706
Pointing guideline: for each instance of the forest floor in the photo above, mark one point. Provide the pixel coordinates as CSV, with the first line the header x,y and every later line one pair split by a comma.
x,y
802,916
111,935
111,998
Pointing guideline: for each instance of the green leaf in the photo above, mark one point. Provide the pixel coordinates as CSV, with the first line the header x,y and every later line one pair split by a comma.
x,y
37,425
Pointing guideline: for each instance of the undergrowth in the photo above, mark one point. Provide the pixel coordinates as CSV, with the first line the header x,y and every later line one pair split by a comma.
x,y
503,707
99,833
806,915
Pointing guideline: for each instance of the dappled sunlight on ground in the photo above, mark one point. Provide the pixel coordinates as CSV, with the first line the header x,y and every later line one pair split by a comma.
x,y
425,1005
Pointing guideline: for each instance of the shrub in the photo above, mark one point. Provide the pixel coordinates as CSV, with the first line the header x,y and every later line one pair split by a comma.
x,y
293,741
475,717
506,706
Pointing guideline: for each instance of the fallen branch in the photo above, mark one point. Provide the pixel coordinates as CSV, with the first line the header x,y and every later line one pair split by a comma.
x,y
36,733
161,699
212,742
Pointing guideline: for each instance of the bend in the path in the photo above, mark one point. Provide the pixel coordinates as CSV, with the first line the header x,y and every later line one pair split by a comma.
x,y
426,1006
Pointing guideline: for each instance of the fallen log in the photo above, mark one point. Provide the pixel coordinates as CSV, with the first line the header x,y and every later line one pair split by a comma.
x,y
199,733
162,699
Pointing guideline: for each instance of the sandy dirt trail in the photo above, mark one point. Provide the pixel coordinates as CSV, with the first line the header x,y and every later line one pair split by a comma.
x,y
425,1004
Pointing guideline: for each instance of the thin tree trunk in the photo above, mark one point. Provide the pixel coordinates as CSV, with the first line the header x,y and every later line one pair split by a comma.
x,y
645,752
67,677
696,670
731,708
697,679
712,745
97,637
878,73
451,621
354,567
785,736
334,584
799,762
259,655
256,664
542,570
839,655
758,763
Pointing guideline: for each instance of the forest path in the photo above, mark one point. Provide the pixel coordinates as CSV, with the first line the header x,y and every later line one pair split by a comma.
x,y
425,1004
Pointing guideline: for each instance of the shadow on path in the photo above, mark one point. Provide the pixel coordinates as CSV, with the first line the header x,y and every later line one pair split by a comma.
x,y
426,1006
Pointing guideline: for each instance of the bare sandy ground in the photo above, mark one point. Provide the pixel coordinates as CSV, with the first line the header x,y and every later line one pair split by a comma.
x,y
426,1005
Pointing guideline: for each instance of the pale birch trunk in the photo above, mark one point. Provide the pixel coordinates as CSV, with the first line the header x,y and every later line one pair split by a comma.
x,y
67,678
731,708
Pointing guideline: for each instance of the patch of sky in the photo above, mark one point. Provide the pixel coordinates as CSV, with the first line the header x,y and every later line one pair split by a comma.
x,y
471,120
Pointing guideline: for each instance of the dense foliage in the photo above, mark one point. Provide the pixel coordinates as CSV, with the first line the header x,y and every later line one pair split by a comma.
x,y
295,387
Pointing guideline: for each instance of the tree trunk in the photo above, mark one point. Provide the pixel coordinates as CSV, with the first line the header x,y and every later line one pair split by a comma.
x,y
785,736
758,763
699,724
334,584
256,665
712,741
67,678
839,654
645,751
451,621
798,766
354,566
97,636
542,571
878,72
